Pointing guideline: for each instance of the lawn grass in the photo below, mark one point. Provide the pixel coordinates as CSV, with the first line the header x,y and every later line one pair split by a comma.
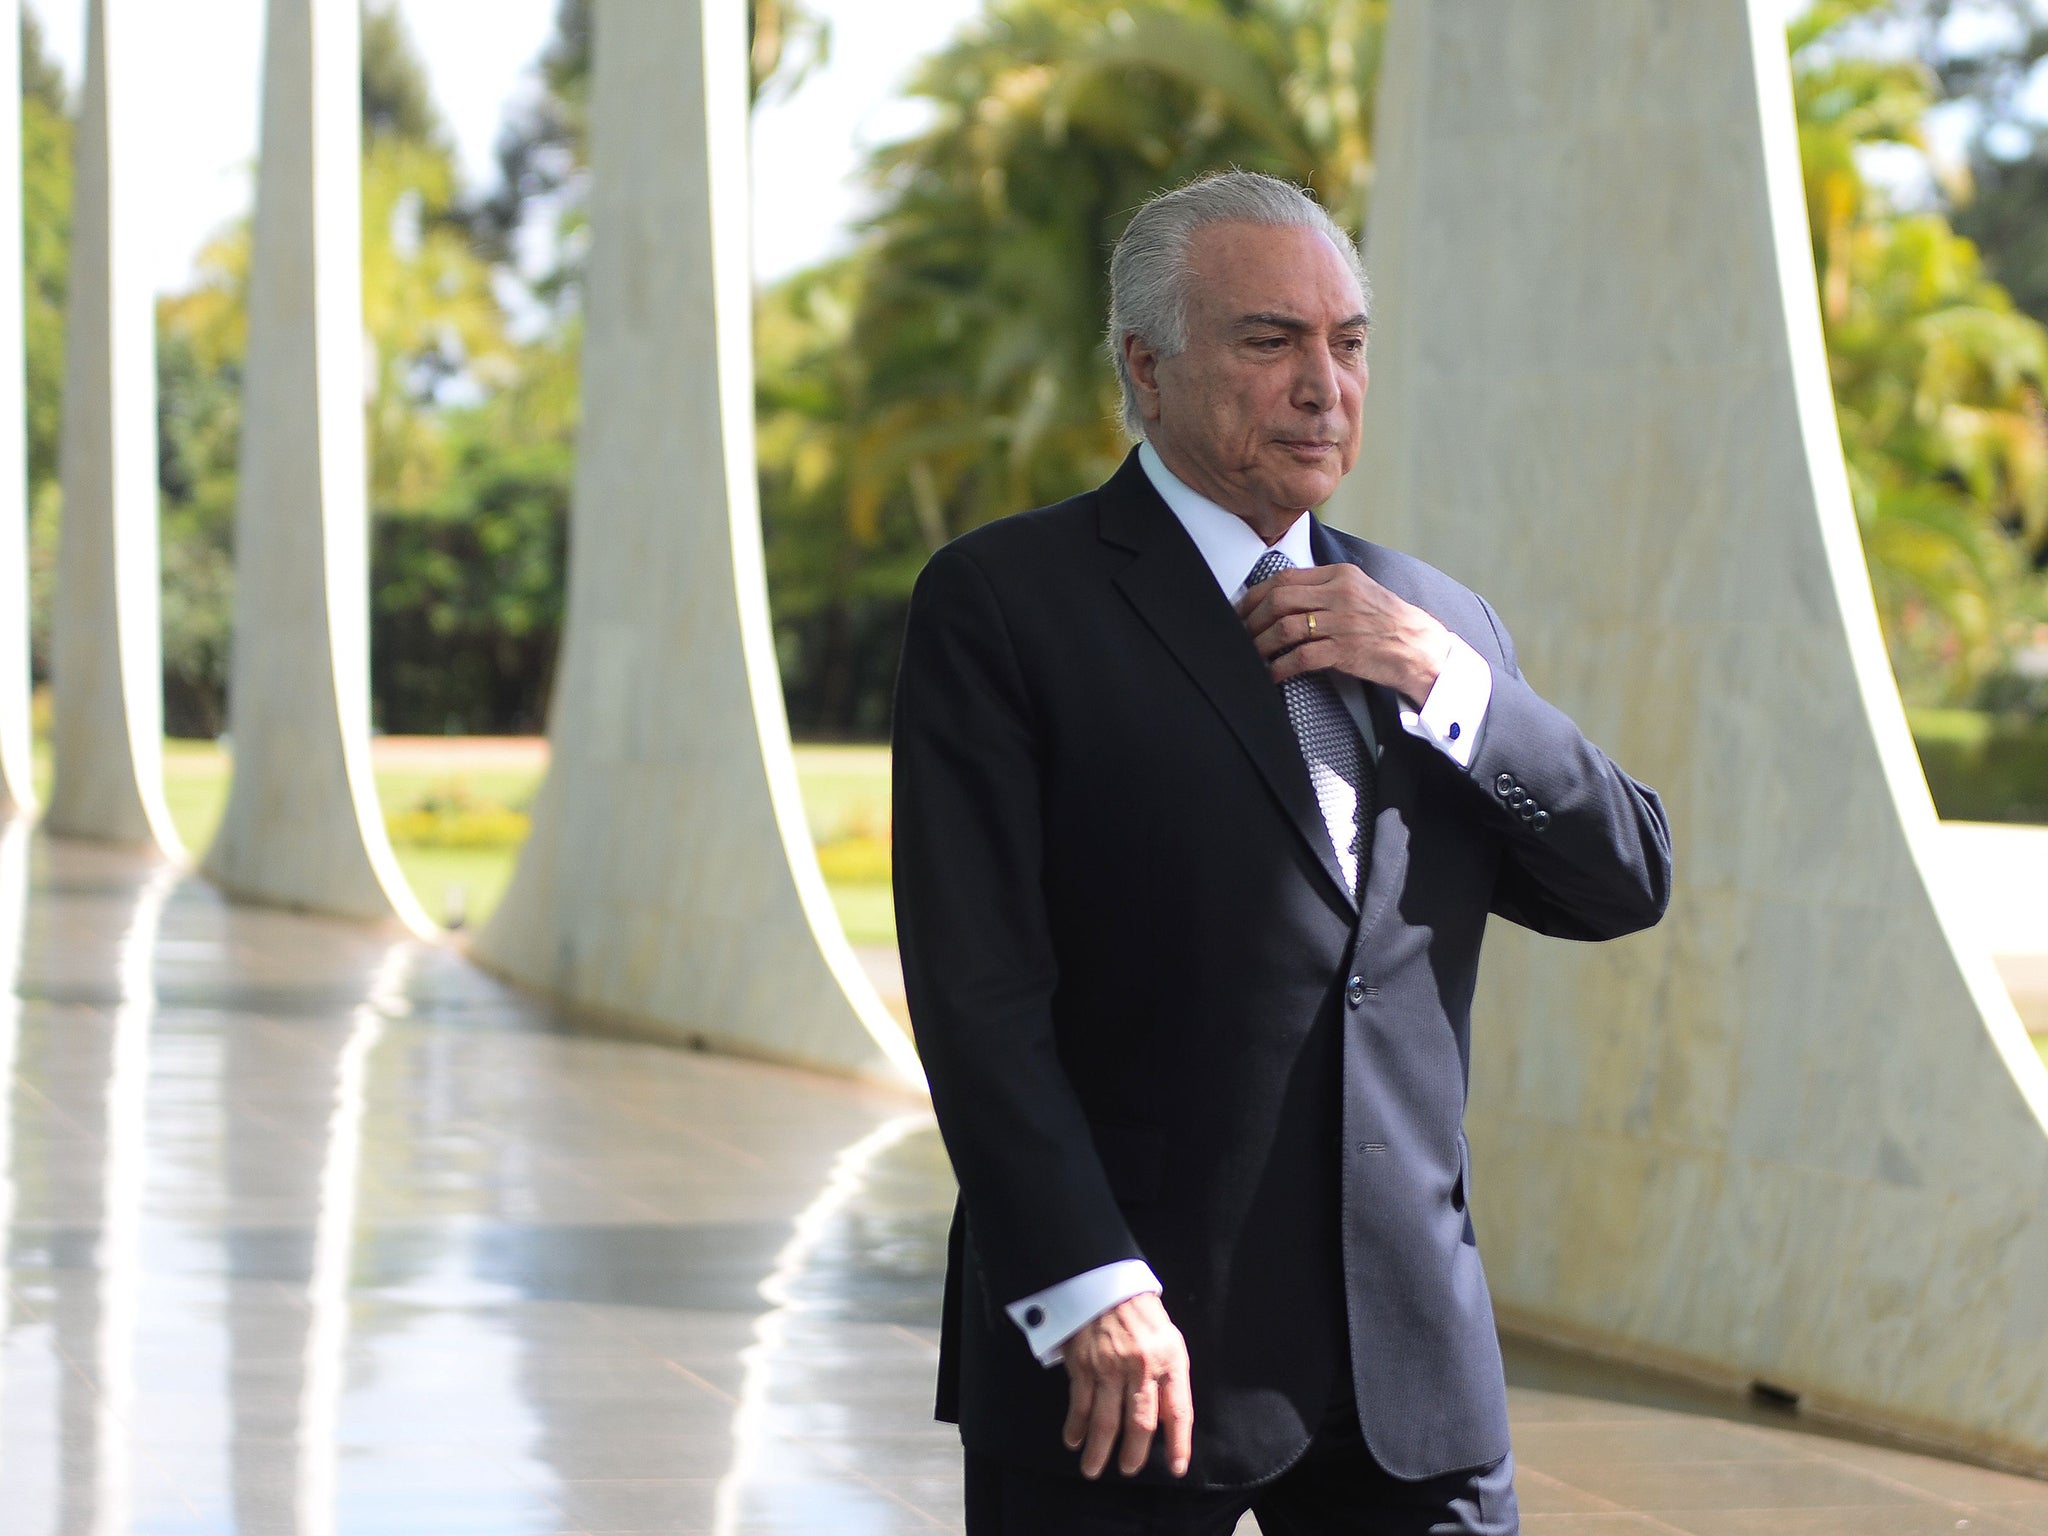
x,y
845,790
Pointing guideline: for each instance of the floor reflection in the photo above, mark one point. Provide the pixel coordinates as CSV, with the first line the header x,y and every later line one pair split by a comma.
x,y
858,1276
317,1231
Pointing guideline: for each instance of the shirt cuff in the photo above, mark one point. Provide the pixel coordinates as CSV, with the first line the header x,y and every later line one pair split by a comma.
x,y
1054,1315
1451,716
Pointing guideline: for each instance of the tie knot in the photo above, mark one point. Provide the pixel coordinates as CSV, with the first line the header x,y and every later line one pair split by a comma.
x,y
1270,563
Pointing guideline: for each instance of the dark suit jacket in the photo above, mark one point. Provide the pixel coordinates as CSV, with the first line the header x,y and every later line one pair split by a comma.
x,y
1154,1023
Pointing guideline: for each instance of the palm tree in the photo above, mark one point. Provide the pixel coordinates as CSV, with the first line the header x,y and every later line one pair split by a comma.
x,y
951,370
979,312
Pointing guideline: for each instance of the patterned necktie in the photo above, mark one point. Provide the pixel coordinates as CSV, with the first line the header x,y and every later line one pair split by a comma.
x,y
1338,765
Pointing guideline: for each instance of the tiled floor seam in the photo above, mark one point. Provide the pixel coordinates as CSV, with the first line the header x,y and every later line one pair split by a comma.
x,y
1610,1507
1875,1475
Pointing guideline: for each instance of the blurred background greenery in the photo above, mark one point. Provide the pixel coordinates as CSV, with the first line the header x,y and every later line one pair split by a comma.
x,y
947,368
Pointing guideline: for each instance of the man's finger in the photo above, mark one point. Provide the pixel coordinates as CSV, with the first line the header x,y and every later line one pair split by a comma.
x,y
1105,1418
1293,630
1141,1417
1080,1399
1312,657
1297,597
1296,576
1253,596
1177,1418
1280,605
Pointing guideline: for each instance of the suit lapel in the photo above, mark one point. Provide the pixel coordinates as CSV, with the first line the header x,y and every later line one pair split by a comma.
x,y
1175,593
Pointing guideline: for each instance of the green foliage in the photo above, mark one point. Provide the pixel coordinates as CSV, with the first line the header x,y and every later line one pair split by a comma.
x,y
466,605
1982,59
46,260
1938,377
398,103
2006,217
202,337
433,318
1984,767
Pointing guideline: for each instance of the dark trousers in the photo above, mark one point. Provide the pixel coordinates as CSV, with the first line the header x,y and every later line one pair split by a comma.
x,y
1336,1489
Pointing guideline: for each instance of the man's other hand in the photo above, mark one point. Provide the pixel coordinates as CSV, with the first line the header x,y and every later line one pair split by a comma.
x,y
1127,1374
1358,627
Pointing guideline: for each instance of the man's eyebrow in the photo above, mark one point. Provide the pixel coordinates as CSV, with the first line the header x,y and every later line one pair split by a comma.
x,y
1275,321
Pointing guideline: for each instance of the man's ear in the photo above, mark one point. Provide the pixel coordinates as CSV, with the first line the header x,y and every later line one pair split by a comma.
x,y
1143,362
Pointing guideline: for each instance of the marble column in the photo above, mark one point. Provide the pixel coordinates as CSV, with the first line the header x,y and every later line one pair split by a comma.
x,y
669,878
1795,1134
302,826
106,647
17,793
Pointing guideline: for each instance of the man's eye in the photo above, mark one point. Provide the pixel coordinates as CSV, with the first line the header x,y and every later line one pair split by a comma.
x,y
1269,343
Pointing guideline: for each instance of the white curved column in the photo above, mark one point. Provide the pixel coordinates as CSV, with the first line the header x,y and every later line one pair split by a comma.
x,y
669,877
1796,1133
106,645
302,826
17,792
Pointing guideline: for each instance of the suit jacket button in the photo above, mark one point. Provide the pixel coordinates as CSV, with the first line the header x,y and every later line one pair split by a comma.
x,y
1503,784
1539,821
1354,991
1034,1317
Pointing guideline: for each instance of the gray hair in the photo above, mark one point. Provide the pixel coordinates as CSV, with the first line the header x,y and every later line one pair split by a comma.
x,y
1148,271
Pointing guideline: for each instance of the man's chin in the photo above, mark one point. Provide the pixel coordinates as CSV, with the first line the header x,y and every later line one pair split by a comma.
x,y
1299,491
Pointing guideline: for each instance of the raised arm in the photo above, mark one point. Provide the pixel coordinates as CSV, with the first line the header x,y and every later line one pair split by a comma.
x,y
1588,848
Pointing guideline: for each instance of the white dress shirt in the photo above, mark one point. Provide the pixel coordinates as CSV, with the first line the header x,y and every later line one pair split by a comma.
x,y
1449,720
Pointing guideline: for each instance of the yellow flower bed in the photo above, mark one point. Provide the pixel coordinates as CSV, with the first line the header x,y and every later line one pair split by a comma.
x,y
856,860
481,827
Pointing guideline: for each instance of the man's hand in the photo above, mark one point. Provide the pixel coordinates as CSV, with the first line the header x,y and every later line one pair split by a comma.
x,y
1127,1372
1360,628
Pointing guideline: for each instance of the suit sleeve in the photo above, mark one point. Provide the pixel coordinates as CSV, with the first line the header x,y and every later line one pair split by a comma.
x,y
978,963
1587,848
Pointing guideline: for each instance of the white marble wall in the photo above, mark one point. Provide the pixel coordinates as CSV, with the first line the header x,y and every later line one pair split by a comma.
x,y
106,651
17,793
302,826
1796,1133
669,880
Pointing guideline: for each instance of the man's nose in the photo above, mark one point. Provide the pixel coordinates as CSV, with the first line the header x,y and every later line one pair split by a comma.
x,y
1315,379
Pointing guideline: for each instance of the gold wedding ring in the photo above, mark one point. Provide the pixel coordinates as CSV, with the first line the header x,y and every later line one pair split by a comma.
x,y
1311,623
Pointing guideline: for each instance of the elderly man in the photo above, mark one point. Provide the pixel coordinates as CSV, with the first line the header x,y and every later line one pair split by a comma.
x,y
1201,807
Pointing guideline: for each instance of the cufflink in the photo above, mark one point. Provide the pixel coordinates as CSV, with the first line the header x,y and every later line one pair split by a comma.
x,y
1453,732
1034,1317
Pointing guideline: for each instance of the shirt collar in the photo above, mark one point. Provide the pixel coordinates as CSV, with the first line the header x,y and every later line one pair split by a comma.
x,y
1226,540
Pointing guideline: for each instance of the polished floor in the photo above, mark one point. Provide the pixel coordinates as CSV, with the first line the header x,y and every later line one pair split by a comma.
x,y
311,1232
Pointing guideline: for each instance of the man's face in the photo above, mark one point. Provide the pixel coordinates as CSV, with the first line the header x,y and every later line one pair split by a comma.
x,y
1260,411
